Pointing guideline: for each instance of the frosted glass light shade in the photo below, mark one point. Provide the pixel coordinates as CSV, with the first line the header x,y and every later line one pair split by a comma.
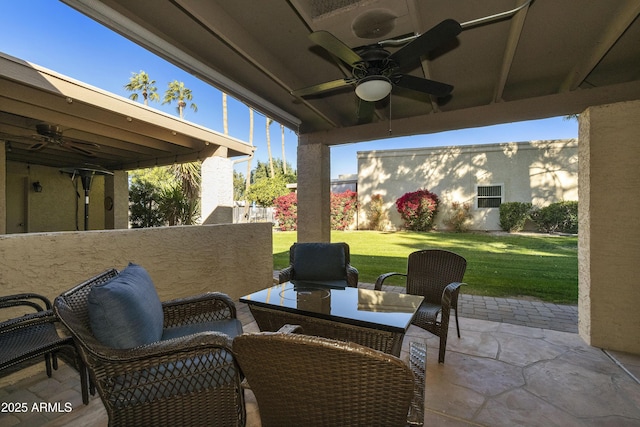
x,y
373,88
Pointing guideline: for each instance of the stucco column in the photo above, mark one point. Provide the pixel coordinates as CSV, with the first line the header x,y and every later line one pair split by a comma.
x,y
609,230
116,201
217,190
3,188
314,193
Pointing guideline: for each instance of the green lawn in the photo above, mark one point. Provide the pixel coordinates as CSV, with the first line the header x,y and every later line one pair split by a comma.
x,y
501,265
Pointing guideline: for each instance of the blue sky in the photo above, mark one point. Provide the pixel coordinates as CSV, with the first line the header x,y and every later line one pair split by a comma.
x,y
55,36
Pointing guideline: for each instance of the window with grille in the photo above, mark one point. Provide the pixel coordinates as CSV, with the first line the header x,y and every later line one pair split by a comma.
x,y
489,196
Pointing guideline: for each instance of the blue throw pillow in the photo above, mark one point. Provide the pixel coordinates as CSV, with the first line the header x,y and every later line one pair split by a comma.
x,y
126,312
319,261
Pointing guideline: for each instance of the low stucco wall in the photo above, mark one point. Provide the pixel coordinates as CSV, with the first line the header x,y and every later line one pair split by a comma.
x,y
232,258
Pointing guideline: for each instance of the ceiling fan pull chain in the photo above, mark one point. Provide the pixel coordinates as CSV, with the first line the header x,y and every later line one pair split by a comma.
x,y
390,102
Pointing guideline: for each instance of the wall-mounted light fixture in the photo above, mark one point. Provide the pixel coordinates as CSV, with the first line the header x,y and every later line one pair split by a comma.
x,y
37,187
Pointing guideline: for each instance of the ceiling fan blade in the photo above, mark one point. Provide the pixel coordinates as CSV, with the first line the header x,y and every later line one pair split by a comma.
x,y
322,87
38,145
365,111
77,148
335,46
426,42
419,84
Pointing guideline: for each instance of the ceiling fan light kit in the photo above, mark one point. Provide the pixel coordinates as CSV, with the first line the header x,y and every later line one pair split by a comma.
x,y
373,88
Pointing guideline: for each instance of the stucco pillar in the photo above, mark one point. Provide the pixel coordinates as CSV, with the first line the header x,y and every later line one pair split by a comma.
x,y
3,188
116,201
609,230
217,190
314,193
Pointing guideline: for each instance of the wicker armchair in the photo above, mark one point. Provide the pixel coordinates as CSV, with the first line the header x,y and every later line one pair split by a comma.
x,y
33,336
184,381
301,380
437,275
320,262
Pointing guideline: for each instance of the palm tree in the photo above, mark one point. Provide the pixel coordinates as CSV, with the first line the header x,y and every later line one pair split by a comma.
x,y
284,159
178,92
269,121
225,114
140,82
247,183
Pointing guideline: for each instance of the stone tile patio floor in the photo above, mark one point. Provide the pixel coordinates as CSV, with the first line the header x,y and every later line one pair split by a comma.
x,y
518,363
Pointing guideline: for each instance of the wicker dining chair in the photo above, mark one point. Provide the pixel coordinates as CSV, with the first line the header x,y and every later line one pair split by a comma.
x,y
185,380
301,380
437,275
328,263
33,337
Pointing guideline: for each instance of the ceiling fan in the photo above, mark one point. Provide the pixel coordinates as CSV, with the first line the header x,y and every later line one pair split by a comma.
x,y
375,70
52,134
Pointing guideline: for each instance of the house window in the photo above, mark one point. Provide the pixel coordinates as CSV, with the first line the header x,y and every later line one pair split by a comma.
x,y
489,196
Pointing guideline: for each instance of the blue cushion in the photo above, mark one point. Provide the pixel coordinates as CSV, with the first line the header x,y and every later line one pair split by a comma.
x,y
126,312
229,327
319,261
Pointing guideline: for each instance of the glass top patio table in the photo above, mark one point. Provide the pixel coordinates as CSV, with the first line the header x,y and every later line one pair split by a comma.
x,y
388,311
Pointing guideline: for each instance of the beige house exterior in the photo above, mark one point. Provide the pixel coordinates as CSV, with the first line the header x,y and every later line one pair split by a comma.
x,y
539,172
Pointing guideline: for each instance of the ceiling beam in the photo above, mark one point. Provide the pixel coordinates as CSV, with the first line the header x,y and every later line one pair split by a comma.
x,y
604,42
495,113
515,31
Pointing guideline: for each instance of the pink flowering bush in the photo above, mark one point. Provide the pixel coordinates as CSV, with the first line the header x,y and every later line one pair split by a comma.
x,y
286,211
418,209
343,209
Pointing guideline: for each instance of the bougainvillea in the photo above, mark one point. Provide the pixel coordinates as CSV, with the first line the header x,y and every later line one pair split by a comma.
x,y
418,209
286,211
343,209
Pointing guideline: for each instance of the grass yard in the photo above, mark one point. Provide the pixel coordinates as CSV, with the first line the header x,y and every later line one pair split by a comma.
x,y
502,265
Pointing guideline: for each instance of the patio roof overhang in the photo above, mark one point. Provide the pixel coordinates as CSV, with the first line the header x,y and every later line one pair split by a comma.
x,y
127,135
547,59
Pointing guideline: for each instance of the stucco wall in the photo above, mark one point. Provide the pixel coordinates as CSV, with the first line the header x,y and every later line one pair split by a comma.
x,y
608,243
540,172
182,261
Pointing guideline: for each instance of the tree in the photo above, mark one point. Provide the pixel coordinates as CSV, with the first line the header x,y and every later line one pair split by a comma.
x,y
178,92
225,114
284,158
269,121
266,189
140,82
262,170
247,183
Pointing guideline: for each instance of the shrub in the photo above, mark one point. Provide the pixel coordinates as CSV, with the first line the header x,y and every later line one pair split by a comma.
x,y
286,211
343,209
459,217
418,209
376,214
513,215
557,217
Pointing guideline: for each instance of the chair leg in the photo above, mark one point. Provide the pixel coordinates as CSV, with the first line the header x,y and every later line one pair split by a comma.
x,y
47,363
443,346
457,324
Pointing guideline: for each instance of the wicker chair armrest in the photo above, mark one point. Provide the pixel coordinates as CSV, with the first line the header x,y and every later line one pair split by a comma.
x,y
24,300
158,352
207,307
450,293
285,274
28,320
380,280
352,276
